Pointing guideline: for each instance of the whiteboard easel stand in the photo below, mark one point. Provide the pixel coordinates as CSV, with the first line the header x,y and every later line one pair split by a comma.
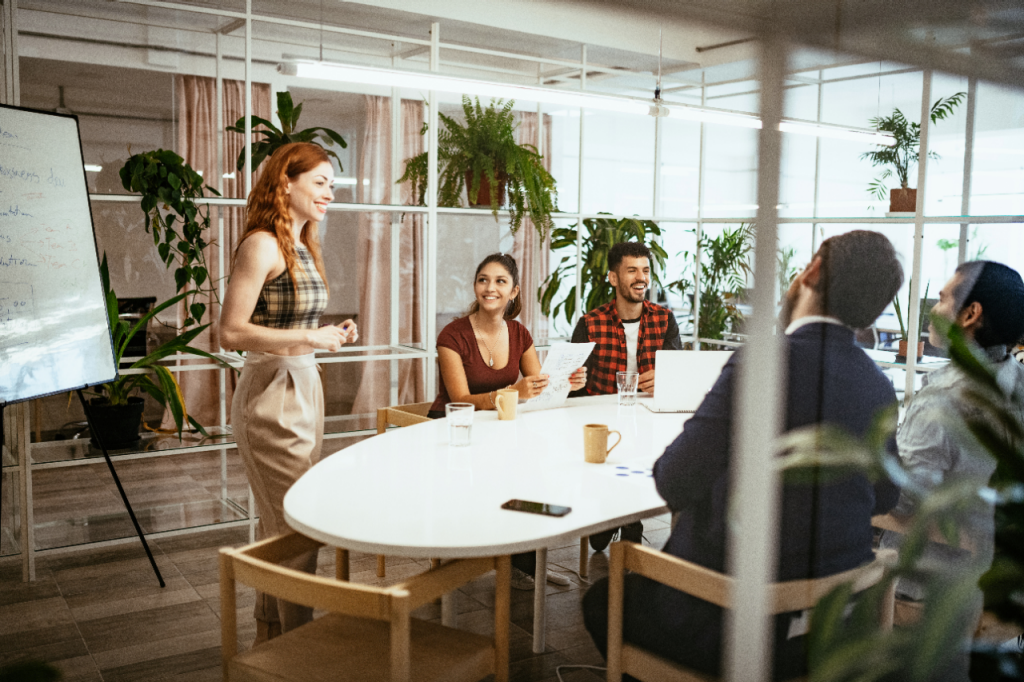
x,y
120,489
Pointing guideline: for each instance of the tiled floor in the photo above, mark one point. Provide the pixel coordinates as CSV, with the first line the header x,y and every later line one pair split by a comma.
x,y
100,615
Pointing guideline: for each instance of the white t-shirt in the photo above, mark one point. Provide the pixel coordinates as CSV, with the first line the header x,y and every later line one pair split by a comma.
x,y
632,330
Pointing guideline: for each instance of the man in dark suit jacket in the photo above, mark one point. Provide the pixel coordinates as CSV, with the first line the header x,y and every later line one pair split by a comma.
x,y
822,529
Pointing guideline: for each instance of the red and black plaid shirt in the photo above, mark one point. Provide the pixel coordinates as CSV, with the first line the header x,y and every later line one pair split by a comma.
x,y
604,328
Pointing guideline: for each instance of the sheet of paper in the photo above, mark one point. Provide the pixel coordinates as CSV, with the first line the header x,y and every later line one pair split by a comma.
x,y
561,362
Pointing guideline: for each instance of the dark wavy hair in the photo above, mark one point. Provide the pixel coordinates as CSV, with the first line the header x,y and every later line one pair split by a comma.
x,y
515,306
860,274
622,249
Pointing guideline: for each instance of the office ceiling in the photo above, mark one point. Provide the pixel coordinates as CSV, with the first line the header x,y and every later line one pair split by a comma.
x,y
709,40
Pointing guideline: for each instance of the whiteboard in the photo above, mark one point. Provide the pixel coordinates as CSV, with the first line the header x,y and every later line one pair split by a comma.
x,y
54,331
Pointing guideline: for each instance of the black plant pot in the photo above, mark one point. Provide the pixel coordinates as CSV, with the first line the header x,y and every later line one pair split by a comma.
x,y
117,426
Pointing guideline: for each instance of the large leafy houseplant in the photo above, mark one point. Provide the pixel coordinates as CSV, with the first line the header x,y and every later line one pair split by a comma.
x,y
167,182
598,237
724,268
483,153
158,382
900,157
846,645
274,137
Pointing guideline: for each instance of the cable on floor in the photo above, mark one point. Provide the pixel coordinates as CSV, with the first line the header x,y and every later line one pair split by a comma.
x,y
558,669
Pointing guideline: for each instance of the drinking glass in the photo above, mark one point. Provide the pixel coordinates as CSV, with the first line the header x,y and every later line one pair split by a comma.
x,y
460,423
627,383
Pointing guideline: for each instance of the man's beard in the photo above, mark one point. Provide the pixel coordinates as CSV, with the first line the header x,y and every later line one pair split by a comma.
x,y
630,295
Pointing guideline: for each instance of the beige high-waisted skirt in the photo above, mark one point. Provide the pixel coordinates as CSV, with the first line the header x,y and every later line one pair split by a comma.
x,y
277,416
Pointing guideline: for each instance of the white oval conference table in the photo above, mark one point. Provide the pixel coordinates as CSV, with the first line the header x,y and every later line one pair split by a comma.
x,y
408,493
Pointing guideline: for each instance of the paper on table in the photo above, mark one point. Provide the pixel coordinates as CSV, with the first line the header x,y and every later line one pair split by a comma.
x,y
561,362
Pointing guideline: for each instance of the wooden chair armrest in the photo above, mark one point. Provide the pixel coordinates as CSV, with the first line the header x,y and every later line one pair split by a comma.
x,y
674,572
903,525
424,588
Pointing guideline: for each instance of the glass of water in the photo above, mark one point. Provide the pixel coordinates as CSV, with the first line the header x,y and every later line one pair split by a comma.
x,y
627,384
460,422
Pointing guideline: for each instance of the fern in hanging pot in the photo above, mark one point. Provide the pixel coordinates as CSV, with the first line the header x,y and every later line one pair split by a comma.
x,y
483,158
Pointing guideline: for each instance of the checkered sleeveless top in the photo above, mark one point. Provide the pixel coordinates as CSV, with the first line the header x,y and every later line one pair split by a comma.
x,y
282,306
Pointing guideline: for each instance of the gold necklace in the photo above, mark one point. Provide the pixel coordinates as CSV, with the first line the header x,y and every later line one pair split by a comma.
x,y
490,362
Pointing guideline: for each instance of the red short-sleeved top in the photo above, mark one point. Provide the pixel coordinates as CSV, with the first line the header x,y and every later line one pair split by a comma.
x,y
459,337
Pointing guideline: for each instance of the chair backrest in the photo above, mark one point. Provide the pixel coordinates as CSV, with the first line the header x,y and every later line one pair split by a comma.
x,y
402,415
257,565
714,587
902,526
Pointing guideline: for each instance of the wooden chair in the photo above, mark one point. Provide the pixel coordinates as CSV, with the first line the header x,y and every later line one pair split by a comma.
x,y
402,415
909,612
795,595
368,633
398,415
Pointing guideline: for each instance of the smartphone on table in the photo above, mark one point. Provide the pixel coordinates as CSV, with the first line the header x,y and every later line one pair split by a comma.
x,y
537,507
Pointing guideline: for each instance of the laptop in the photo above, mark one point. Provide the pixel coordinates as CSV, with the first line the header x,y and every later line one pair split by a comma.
x,y
683,378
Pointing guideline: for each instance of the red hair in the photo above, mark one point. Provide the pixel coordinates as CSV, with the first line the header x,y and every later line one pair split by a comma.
x,y
267,209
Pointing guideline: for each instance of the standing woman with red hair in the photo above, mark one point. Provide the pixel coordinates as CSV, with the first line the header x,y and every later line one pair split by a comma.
x,y
277,292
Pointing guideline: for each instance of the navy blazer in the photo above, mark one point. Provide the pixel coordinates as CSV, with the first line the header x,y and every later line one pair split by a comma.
x,y
824,528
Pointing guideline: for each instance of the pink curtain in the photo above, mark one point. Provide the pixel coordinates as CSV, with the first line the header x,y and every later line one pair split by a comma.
x,y
197,143
374,256
530,252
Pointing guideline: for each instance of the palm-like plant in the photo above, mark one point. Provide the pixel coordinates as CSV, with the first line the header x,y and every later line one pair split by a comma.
x,y
600,234
725,265
901,156
273,137
165,389
485,149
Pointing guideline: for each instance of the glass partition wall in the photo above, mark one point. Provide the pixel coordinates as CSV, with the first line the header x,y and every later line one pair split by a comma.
x,y
145,76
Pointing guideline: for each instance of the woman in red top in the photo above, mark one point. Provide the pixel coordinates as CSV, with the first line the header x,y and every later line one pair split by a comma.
x,y
487,350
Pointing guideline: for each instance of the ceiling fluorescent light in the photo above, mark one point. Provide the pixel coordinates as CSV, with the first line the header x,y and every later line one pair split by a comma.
x,y
425,80
93,168
837,132
369,75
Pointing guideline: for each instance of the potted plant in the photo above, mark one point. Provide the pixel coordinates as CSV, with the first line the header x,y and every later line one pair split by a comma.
x,y
483,157
599,235
274,137
117,409
167,182
899,157
725,265
901,356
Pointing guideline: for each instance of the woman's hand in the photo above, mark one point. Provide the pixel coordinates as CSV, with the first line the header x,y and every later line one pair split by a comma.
x,y
532,386
578,379
329,337
352,332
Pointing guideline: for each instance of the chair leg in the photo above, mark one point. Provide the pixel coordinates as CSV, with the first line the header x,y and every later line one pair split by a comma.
x,y
502,614
341,567
380,566
616,590
434,565
584,555
228,611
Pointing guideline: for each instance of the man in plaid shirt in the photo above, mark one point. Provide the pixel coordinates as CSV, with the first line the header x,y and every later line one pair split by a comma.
x,y
626,332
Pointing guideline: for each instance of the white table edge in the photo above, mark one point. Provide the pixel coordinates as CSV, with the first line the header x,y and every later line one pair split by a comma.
x,y
426,552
